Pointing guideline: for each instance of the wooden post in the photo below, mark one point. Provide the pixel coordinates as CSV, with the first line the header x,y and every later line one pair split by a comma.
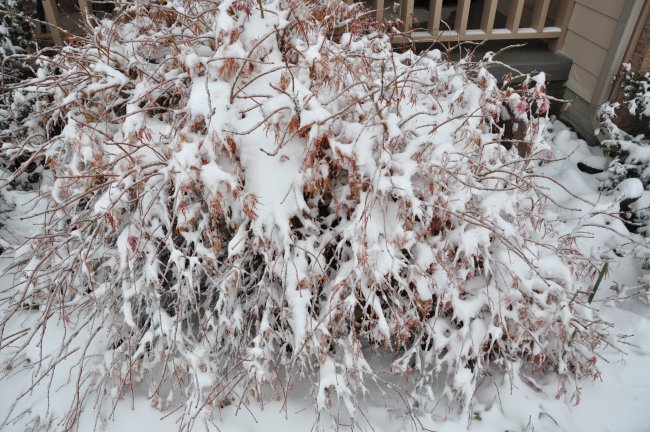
x,y
435,15
85,8
379,7
407,14
462,14
514,15
562,19
538,22
489,13
54,20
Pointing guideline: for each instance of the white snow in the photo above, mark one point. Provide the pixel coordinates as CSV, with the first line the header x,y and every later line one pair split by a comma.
x,y
616,401
247,219
630,188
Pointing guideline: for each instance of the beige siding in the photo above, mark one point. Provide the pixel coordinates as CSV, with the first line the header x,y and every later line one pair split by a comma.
x,y
592,25
590,33
585,53
582,82
611,8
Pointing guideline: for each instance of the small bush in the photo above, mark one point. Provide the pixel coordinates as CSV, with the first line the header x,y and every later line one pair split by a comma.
x,y
243,193
629,152
628,174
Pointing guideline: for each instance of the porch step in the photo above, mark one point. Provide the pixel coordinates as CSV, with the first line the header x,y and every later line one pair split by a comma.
x,y
533,57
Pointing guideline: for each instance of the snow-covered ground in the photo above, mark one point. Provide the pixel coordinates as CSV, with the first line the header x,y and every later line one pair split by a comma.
x,y
618,401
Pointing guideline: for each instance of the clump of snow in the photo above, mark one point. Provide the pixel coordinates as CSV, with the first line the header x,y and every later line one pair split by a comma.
x,y
631,188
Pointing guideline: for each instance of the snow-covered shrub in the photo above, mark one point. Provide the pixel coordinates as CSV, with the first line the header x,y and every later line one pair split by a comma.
x,y
628,175
15,43
629,151
245,191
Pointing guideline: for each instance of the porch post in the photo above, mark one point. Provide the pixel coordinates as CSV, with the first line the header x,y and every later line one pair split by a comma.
x,y
379,7
562,18
54,20
85,8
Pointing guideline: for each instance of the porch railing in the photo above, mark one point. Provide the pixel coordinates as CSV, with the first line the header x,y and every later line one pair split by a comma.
x,y
56,26
436,29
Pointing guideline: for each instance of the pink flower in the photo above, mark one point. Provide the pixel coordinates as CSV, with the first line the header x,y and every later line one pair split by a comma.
x,y
521,107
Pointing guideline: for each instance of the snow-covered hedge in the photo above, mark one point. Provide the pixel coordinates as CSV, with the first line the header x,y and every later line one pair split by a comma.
x,y
15,38
15,42
630,152
248,191
628,174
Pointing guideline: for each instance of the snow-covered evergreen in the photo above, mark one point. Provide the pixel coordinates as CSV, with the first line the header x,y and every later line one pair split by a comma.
x,y
15,38
630,152
15,43
628,174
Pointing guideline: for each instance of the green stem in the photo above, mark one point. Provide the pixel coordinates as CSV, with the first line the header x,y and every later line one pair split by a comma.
x,y
601,275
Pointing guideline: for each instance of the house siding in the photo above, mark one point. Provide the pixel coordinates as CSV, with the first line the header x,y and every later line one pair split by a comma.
x,y
588,39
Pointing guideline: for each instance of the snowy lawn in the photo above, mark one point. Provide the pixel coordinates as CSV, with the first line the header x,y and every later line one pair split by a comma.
x,y
618,401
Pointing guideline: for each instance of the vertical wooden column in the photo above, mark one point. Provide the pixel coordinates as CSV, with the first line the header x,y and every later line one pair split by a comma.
x,y
85,8
489,13
514,15
462,15
539,15
562,19
379,7
54,20
406,14
435,15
